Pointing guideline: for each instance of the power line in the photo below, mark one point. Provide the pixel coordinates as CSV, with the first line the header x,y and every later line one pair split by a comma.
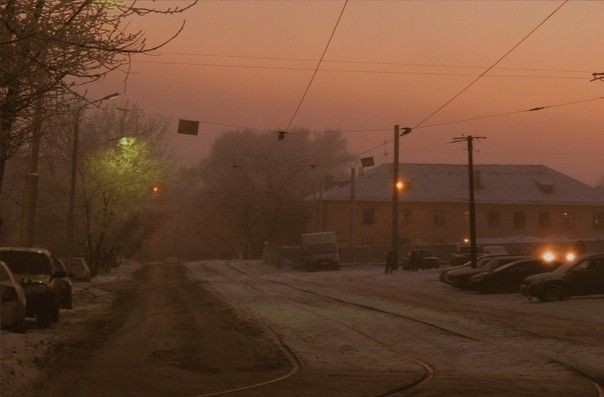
x,y
360,62
314,74
458,121
458,94
363,71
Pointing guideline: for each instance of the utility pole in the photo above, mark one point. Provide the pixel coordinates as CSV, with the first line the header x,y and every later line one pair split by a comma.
x,y
396,187
472,206
352,211
394,243
74,167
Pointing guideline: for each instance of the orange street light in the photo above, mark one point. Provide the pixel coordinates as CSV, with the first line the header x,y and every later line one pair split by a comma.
x,y
400,185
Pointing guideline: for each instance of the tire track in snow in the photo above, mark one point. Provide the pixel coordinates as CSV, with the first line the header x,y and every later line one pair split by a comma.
x,y
570,367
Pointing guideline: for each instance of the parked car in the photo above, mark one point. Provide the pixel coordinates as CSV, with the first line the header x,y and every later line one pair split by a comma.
x,y
78,269
481,261
583,276
12,301
44,279
509,277
462,253
460,277
420,259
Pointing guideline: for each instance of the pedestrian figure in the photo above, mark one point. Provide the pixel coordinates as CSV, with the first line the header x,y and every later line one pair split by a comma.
x,y
389,262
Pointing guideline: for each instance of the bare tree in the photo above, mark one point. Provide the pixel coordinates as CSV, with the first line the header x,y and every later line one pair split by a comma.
x,y
48,47
253,195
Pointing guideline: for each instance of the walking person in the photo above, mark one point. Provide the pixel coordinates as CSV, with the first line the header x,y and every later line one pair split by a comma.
x,y
389,261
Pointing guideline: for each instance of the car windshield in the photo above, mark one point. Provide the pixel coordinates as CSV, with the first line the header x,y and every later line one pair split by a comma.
x,y
26,262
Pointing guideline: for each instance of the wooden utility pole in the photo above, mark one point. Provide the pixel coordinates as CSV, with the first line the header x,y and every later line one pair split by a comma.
x,y
394,242
472,205
352,211
395,192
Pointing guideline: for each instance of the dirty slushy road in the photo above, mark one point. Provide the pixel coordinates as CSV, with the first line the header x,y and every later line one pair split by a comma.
x,y
243,329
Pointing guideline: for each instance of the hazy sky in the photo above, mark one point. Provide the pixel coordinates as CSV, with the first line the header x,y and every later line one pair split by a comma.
x,y
455,34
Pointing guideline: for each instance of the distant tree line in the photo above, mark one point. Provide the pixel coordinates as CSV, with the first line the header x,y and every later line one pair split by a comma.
x,y
253,190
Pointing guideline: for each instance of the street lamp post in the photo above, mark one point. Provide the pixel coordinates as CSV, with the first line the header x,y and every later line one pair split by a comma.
x,y
74,163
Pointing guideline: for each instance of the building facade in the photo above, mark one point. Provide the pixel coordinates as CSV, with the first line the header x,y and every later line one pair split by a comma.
x,y
511,200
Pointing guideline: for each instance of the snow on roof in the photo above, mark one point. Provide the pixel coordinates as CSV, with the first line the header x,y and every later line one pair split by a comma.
x,y
448,183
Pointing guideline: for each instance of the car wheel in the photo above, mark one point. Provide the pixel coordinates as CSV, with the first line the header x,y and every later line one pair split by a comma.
x,y
554,292
68,302
21,326
55,313
44,317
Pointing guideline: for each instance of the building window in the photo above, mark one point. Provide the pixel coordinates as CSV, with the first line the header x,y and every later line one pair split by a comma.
x,y
368,216
494,219
519,220
407,216
568,220
439,218
544,220
599,221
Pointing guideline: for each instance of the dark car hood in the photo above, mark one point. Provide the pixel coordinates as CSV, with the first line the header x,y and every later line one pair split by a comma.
x,y
543,277
465,271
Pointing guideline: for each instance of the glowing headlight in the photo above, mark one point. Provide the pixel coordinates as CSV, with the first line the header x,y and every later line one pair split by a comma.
x,y
549,257
571,256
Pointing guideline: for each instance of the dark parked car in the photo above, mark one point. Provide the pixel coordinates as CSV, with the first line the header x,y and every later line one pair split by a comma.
x,y
509,277
460,277
44,279
462,253
12,301
583,276
480,262
420,259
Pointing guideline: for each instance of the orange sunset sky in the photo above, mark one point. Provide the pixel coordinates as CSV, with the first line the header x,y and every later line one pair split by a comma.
x,y
424,51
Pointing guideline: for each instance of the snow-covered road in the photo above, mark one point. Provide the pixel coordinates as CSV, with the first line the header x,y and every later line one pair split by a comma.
x,y
361,324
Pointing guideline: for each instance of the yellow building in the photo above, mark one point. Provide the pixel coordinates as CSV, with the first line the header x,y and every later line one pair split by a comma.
x,y
511,200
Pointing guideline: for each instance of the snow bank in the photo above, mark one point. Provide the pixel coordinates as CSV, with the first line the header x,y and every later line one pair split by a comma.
x,y
24,356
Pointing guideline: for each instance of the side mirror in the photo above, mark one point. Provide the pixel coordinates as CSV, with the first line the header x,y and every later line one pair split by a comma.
x,y
59,274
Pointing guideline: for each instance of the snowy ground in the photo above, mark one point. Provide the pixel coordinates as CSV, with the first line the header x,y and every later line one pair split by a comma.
x,y
360,319
24,356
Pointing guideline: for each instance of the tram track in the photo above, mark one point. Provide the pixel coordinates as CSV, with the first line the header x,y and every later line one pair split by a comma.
x,y
468,336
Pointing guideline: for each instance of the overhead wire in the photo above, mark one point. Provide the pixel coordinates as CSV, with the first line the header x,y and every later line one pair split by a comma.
x,y
364,71
314,74
360,62
458,121
501,58
312,78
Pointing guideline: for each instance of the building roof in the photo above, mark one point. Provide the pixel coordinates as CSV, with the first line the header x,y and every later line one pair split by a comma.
x,y
448,183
